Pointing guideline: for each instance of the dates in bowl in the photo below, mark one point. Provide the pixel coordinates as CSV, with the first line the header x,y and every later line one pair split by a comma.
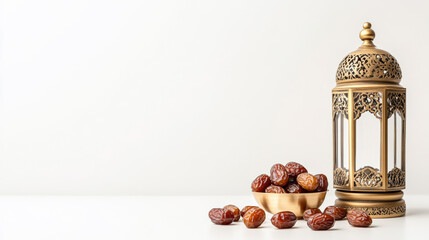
x,y
290,178
289,187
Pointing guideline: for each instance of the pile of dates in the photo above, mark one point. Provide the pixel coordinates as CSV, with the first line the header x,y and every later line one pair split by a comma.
x,y
289,178
254,216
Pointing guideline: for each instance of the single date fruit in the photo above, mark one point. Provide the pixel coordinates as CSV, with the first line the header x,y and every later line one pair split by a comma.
x,y
284,219
321,221
358,218
278,175
235,211
254,217
337,212
323,182
260,183
310,212
221,216
245,209
307,181
274,189
294,169
294,188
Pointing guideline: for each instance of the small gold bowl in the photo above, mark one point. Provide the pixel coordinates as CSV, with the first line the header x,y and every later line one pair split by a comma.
x,y
294,202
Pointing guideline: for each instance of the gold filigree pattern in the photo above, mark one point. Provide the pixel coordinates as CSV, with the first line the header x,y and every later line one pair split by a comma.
x,y
368,177
367,101
396,178
369,66
380,211
340,104
396,102
341,177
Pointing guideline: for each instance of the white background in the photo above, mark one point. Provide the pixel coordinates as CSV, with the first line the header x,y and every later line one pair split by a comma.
x,y
187,97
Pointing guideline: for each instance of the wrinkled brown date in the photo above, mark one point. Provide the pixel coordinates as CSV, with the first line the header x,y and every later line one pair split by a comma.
x,y
310,212
254,217
294,188
221,216
323,182
278,175
284,219
307,181
274,189
245,209
260,183
235,211
337,212
321,221
358,218
294,169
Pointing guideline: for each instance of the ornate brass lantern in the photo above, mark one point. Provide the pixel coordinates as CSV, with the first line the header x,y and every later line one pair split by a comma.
x,y
368,111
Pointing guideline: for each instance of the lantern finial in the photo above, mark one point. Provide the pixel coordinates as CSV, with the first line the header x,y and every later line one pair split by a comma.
x,y
367,35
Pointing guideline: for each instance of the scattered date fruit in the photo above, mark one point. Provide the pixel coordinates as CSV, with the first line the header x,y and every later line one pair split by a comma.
x,y
358,218
310,212
221,216
337,212
235,211
321,221
245,209
254,217
283,220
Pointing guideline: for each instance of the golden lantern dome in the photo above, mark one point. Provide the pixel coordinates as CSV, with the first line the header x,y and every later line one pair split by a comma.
x,y
368,113
368,63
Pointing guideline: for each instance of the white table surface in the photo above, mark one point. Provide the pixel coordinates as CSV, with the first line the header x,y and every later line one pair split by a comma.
x,y
151,217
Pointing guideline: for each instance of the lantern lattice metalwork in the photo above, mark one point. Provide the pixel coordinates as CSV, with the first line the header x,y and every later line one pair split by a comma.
x,y
368,93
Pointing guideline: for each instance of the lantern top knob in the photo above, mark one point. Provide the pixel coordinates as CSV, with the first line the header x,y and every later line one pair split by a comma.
x,y
367,35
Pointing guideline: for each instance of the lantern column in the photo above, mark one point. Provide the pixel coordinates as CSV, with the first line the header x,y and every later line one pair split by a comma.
x,y
368,81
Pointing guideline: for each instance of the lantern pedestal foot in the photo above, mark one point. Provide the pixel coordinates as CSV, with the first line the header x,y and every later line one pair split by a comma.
x,y
377,205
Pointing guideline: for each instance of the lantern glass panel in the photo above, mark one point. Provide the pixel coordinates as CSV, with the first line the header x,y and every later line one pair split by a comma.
x,y
368,151
395,139
341,144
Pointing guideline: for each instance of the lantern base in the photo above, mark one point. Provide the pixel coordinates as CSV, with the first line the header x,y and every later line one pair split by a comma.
x,y
377,205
